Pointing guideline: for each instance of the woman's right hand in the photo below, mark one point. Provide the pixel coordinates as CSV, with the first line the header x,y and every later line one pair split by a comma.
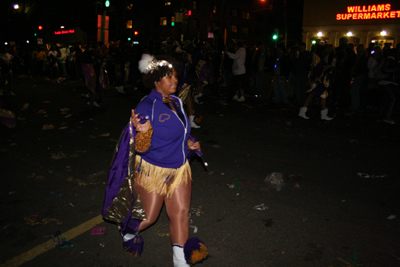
x,y
141,128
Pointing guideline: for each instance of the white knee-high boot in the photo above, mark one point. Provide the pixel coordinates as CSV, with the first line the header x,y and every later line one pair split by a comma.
x,y
179,256
324,115
193,123
302,113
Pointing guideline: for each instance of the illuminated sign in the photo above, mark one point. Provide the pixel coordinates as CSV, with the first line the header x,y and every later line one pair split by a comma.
x,y
64,32
381,11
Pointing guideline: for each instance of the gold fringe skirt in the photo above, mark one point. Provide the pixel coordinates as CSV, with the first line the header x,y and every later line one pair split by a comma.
x,y
162,181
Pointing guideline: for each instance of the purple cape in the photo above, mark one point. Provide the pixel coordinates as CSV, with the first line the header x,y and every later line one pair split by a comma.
x,y
118,173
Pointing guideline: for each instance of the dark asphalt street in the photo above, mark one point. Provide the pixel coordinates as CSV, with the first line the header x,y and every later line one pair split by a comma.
x,y
53,181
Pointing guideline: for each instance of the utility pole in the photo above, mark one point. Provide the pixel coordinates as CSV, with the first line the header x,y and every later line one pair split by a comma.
x,y
285,21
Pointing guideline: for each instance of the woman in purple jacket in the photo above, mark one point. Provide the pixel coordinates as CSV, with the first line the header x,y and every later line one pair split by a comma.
x,y
162,144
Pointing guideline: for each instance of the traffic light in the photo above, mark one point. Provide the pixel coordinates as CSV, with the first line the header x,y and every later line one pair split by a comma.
x,y
40,27
136,33
275,36
107,3
187,14
129,39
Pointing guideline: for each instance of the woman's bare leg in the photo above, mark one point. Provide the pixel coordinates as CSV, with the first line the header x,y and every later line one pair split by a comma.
x,y
152,204
178,206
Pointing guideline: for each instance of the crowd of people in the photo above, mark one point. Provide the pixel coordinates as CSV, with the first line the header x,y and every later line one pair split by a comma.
x,y
348,78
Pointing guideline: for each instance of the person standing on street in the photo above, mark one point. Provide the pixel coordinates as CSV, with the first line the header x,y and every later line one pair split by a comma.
x,y
238,71
322,69
6,71
53,57
64,54
390,88
282,70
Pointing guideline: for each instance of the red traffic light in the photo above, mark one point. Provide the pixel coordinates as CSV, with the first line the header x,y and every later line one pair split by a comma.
x,y
135,32
40,27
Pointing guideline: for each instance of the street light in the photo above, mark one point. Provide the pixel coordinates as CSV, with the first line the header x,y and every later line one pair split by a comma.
x,y
16,6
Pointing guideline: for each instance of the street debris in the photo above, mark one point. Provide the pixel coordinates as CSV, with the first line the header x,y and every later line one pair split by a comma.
x,y
52,194
25,106
216,146
260,207
237,185
366,175
63,243
275,179
97,175
353,262
194,227
48,127
195,211
99,230
62,155
159,232
82,183
33,220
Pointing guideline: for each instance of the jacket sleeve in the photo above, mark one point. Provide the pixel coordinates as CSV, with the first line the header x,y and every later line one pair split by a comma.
x,y
236,55
143,140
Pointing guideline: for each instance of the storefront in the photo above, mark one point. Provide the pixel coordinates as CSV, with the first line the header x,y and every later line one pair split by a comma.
x,y
361,21
68,36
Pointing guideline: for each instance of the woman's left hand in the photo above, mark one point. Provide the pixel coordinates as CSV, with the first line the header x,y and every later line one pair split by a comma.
x,y
136,123
194,146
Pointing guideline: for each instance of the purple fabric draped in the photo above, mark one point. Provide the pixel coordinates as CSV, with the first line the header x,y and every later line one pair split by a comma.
x,y
116,178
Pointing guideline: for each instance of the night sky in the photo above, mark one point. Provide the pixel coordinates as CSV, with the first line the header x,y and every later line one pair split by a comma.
x,y
82,13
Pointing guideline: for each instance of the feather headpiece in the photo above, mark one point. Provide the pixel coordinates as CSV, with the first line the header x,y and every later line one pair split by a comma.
x,y
149,63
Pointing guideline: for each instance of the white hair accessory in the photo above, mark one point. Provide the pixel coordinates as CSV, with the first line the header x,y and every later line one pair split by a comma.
x,y
149,63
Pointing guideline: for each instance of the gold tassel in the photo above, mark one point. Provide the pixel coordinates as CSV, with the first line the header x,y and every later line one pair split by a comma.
x,y
143,140
199,255
162,181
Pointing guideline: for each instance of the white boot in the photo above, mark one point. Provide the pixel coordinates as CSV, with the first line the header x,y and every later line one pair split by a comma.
x,y
120,89
196,98
324,115
179,256
302,113
192,123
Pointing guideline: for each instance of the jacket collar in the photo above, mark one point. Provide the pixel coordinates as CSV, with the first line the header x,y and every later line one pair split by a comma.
x,y
158,96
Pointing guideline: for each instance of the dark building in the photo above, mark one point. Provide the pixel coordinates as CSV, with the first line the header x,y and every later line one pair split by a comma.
x,y
252,21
